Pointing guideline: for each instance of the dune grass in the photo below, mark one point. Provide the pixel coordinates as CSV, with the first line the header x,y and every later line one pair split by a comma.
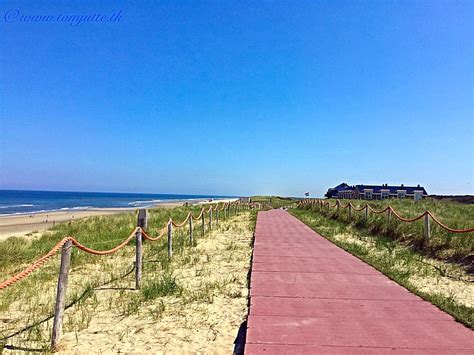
x,y
443,245
275,201
26,308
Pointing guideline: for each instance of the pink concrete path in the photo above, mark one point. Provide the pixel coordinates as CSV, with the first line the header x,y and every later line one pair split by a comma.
x,y
308,296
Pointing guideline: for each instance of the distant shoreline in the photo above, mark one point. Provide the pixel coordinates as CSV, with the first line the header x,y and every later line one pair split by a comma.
x,y
19,225
23,202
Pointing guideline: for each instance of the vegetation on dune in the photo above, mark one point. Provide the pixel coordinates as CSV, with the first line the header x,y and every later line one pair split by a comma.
x,y
446,285
275,201
100,232
443,245
26,308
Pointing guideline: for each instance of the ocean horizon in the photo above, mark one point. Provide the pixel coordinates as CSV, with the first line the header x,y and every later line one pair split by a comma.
x,y
16,202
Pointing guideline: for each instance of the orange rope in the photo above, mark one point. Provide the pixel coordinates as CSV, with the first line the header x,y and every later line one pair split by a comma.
x,y
41,261
105,252
469,230
408,220
381,211
38,263
200,214
182,223
153,239
357,209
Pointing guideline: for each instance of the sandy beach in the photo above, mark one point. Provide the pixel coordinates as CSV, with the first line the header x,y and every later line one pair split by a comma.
x,y
24,224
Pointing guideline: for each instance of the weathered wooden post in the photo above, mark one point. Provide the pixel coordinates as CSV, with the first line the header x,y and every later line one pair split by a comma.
x,y
389,215
217,216
142,222
225,212
350,210
366,212
427,226
61,294
210,218
337,207
138,258
203,224
191,229
170,238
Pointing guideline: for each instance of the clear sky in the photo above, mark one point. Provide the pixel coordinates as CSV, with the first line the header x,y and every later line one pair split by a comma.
x,y
235,97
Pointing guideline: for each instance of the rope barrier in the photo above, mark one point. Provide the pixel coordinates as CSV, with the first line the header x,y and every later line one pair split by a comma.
x,y
390,208
452,230
379,212
409,220
182,223
105,252
200,214
42,260
38,263
154,239
357,209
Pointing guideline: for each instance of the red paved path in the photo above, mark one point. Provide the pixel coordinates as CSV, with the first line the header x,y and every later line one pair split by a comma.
x,y
308,296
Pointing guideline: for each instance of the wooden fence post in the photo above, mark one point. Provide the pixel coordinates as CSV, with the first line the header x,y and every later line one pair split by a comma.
x,y
142,219
142,222
138,258
191,229
389,215
350,210
170,238
366,212
337,207
61,293
427,226
210,218
203,224
225,212
217,215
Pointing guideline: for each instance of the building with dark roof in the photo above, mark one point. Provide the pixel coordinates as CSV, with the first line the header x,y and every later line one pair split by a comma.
x,y
376,192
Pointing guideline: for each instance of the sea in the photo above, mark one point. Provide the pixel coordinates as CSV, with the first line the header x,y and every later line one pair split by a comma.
x,y
29,202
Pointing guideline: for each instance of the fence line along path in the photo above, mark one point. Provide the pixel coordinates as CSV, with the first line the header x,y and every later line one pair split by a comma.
x,y
139,234
308,296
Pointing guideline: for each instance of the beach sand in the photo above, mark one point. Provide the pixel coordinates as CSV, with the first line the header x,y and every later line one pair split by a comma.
x,y
21,225
34,224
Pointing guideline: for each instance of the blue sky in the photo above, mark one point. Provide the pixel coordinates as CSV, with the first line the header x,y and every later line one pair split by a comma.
x,y
227,97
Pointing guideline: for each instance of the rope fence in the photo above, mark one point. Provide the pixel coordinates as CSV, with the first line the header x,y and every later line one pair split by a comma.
x,y
139,234
427,215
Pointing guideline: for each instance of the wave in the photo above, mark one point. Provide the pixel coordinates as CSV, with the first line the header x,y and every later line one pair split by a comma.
x,y
76,208
140,203
64,209
26,213
13,206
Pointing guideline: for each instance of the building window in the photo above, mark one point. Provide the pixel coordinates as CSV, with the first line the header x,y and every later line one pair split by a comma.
x,y
384,195
368,195
401,193
418,195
